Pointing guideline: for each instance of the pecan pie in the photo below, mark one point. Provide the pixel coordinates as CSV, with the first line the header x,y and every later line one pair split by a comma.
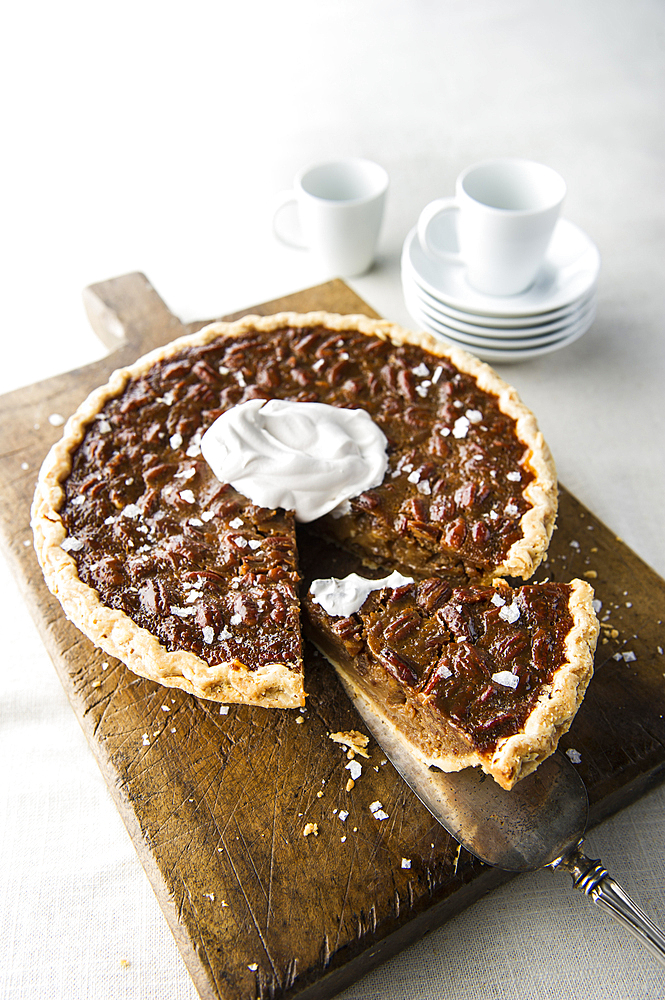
x,y
192,584
486,676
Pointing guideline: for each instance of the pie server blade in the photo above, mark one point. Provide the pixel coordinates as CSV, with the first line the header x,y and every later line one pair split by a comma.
x,y
540,823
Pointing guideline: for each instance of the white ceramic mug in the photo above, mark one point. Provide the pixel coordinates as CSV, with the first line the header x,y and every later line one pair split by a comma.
x,y
506,210
340,208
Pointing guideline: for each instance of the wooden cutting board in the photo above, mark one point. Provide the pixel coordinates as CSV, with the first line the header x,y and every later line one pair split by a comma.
x,y
216,802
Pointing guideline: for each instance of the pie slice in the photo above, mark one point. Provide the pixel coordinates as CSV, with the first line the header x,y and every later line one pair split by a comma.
x,y
192,584
468,676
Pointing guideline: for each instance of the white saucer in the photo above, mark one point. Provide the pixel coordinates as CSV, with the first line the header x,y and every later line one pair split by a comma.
x,y
496,323
499,354
425,302
482,337
475,342
570,270
527,336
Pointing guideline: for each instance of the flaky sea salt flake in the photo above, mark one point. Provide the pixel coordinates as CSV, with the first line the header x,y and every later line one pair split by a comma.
x,y
182,612
506,679
354,768
461,427
131,510
71,544
510,613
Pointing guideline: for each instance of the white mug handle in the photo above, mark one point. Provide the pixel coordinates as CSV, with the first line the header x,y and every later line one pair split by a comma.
x,y
430,211
282,200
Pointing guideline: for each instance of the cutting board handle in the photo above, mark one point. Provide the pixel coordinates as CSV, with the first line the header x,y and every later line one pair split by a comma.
x,y
127,313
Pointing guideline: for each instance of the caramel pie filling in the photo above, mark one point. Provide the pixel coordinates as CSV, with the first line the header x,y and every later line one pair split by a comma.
x,y
200,567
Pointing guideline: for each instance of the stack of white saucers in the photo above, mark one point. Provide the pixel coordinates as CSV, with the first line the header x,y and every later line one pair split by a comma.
x,y
553,312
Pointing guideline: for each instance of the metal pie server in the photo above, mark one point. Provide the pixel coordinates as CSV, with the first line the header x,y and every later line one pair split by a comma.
x,y
540,823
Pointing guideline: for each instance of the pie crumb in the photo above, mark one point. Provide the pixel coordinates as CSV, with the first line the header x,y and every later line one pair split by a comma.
x,y
311,828
353,740
350,784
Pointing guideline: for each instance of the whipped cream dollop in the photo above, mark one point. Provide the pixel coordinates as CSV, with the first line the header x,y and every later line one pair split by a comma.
x,y
307,457
347,595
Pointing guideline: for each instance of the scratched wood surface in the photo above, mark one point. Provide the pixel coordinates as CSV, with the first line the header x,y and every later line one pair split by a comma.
x,y
216,803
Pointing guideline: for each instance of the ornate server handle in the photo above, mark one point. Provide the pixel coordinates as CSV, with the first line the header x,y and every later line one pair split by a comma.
x,y
593,880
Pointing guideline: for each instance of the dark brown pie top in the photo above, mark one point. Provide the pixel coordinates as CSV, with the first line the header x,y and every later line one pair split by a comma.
x,y
202,569
138,486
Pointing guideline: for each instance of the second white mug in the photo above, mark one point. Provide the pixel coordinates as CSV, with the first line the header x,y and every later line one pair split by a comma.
x,y
506,212
340,209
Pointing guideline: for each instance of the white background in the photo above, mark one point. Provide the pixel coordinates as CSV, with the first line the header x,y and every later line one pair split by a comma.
x,y
155,137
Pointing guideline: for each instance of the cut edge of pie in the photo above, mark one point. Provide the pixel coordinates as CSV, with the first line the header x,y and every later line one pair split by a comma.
x,y
515,756
276,684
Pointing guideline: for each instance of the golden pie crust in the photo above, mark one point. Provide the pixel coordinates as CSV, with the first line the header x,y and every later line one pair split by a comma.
x,y
277,684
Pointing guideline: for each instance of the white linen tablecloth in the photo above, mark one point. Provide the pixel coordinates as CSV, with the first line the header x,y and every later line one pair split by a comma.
x,y
155,137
